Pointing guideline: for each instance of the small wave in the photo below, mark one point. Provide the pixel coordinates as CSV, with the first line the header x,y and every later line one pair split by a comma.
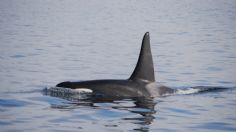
x,y
22,91
199,89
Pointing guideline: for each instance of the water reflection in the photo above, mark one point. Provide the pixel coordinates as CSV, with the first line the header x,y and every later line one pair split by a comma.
x,y
140,111
146,108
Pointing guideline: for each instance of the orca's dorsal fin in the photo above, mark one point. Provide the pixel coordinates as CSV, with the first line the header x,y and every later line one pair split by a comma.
x,y
144,69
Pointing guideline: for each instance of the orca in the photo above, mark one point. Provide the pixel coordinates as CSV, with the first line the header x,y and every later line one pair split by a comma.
x,y
140,84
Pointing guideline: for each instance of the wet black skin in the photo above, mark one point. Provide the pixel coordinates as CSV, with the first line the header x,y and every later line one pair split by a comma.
x,y
124,88
111,87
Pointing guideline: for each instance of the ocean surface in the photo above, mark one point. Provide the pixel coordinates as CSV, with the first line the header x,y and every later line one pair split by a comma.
x,y
45,42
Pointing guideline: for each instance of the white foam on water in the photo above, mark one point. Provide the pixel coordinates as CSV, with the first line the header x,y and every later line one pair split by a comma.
x,y
79,93
68,90
187,91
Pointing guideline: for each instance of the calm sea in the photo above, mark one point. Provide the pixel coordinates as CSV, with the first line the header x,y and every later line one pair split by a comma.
x,y
44,42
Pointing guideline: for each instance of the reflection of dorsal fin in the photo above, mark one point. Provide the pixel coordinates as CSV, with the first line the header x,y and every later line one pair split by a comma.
x,y
144,69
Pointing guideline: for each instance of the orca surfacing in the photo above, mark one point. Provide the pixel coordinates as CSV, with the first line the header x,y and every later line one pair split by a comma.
x,y
140,84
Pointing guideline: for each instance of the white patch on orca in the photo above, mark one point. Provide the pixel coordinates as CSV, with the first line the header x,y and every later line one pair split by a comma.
x,y
83,90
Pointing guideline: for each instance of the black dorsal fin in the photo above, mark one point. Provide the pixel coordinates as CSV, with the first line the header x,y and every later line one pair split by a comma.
x,y
144,69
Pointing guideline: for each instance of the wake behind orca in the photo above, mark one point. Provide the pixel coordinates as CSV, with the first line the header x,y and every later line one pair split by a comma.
x,y
140,84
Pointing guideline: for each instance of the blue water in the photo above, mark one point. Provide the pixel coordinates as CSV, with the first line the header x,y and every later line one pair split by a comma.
x,y
46,42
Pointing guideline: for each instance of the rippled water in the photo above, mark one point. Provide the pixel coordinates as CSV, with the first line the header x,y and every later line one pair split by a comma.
x,y
46,42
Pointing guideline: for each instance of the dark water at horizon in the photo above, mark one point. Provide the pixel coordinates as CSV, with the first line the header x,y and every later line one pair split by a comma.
x,y
46,42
